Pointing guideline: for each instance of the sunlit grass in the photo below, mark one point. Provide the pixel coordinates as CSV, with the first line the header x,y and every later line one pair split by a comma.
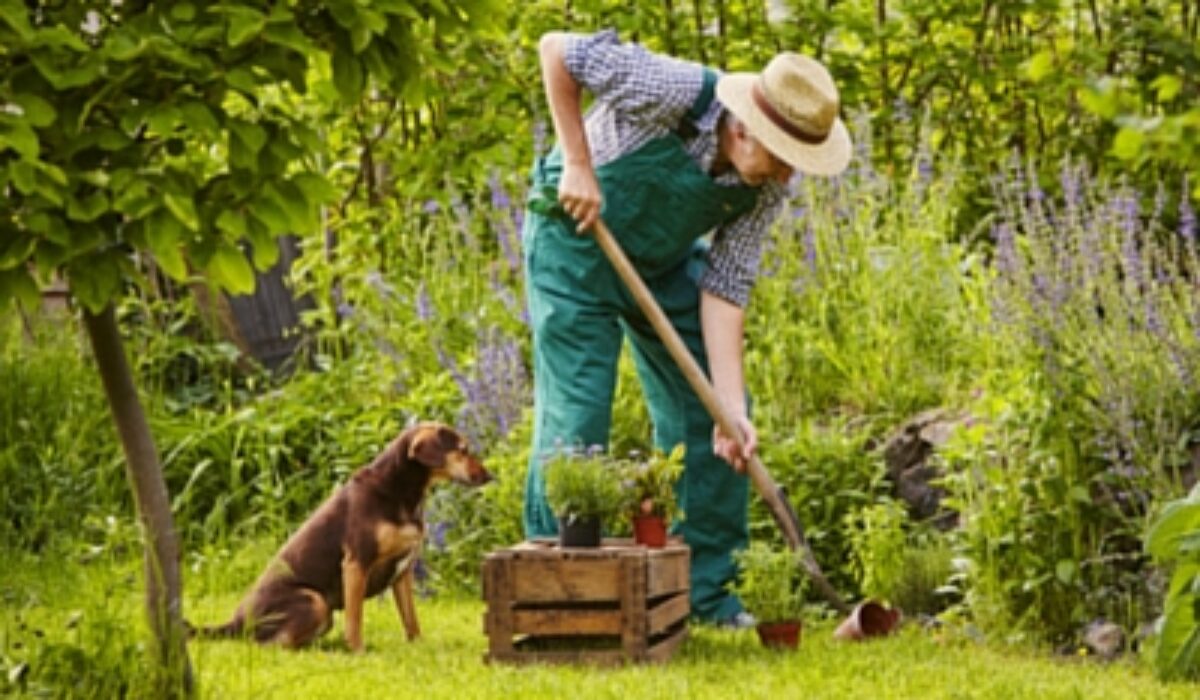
x,y
63,600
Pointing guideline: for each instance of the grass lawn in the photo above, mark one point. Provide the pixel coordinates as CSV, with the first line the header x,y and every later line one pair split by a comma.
x,y
74,602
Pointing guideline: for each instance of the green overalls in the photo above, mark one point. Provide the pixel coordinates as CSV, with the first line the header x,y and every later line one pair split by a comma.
x,y
657,202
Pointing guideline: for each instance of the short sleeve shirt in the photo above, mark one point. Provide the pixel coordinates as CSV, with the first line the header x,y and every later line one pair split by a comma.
x,y
640,96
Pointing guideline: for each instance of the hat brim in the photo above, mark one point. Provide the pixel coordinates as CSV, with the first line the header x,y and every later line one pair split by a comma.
x,y
829,157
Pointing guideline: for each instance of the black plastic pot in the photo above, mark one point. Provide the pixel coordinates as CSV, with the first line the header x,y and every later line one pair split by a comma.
x,y
579,532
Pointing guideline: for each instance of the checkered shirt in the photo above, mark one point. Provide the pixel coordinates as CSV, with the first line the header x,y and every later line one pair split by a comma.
x,y
640,96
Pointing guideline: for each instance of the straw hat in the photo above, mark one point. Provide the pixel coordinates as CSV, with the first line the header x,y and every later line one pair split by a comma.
x,y
792,108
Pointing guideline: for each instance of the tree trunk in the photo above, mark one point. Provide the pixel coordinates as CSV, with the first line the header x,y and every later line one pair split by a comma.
x,y
163,581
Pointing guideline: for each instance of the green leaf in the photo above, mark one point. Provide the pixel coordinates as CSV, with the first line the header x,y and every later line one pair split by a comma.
x,y
1178,520
288,36
38,112
264,247
89,208
270,214
164,238
1128,143
20,138
316,188
245,23
199,118
347,74
17,284
15,248
228,268
294,204
23,176
232,222
1167,86
16,17
184,210
1039,66
95,280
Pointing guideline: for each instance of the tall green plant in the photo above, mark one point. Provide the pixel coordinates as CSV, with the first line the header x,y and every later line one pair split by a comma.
x,y
1174,540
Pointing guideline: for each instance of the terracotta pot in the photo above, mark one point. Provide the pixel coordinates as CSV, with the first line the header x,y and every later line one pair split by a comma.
x,y
650,530
868,619
579,532
779,635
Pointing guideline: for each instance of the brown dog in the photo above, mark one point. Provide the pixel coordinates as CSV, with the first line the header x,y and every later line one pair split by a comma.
x,y
362,540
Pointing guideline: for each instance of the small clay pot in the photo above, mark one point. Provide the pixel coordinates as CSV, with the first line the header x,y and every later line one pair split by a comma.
x,y
868,619
650,530
779,635
579,532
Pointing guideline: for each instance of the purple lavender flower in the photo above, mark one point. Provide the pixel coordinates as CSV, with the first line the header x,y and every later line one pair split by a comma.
x,y
425,310
1187,215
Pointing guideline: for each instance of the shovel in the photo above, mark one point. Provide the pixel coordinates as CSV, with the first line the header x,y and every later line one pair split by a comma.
x,y
766,487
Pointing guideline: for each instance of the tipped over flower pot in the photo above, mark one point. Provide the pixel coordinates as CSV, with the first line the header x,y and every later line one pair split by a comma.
x,y
868,619
779,635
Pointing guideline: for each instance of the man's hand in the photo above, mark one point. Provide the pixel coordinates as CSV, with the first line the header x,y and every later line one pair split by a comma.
x,y
579,195
726,447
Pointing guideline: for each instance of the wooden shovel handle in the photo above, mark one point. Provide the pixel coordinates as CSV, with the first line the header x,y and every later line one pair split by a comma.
x,y
766,487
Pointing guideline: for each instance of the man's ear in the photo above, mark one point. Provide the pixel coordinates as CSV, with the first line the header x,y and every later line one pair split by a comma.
x,y
427,449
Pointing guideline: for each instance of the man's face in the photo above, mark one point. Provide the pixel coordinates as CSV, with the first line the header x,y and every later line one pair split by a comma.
x,y
754,163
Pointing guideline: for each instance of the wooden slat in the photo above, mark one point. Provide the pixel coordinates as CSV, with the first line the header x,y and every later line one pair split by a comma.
x,y
667,571
558,622
498,620
548,580
667,613
663,650
633,604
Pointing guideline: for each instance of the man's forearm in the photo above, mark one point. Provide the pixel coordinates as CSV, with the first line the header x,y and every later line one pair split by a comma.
x,y
565,98
724,324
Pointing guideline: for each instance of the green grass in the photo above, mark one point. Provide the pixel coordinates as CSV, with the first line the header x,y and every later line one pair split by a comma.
x,y
94,612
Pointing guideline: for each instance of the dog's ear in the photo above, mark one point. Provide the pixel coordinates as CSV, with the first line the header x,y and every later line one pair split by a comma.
x,y
428,447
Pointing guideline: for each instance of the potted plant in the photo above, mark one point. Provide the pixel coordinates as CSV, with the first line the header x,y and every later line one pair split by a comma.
x,y
771,585
583,490
650,494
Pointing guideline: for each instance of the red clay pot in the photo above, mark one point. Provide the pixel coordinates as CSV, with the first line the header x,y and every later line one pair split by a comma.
x,y
868,619
650,530
779,635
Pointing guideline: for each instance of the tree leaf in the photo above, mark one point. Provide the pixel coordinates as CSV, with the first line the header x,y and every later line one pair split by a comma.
x,y
16,284
38,112
89,208
232,222
164,238
245,23
95,280
1178,519
316,188
1128,143
15,248
229,269
347,74
184,210
20,138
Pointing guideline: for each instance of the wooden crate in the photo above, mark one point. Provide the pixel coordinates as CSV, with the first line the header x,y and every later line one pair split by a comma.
x,y
616,604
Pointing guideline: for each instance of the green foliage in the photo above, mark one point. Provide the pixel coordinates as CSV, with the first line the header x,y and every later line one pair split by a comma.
x,y
157,126
1174,540
649,482
896,563
770,583
582,485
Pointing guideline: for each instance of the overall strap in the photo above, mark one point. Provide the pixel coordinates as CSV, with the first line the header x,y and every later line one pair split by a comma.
x,y
687,125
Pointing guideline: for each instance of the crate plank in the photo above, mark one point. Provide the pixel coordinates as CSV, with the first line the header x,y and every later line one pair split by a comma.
x,y
618,603
667,613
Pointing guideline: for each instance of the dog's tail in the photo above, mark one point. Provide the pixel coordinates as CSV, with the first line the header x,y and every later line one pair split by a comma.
x,y
234,628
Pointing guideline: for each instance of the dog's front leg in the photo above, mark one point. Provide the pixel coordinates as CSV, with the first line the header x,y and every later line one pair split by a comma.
x,y
354,586
402,593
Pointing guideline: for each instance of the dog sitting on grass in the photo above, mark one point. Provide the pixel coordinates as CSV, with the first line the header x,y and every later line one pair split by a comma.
x,y
363,539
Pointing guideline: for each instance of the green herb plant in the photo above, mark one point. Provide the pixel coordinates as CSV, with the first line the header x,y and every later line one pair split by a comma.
x,y
582,485
649,484
770,583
